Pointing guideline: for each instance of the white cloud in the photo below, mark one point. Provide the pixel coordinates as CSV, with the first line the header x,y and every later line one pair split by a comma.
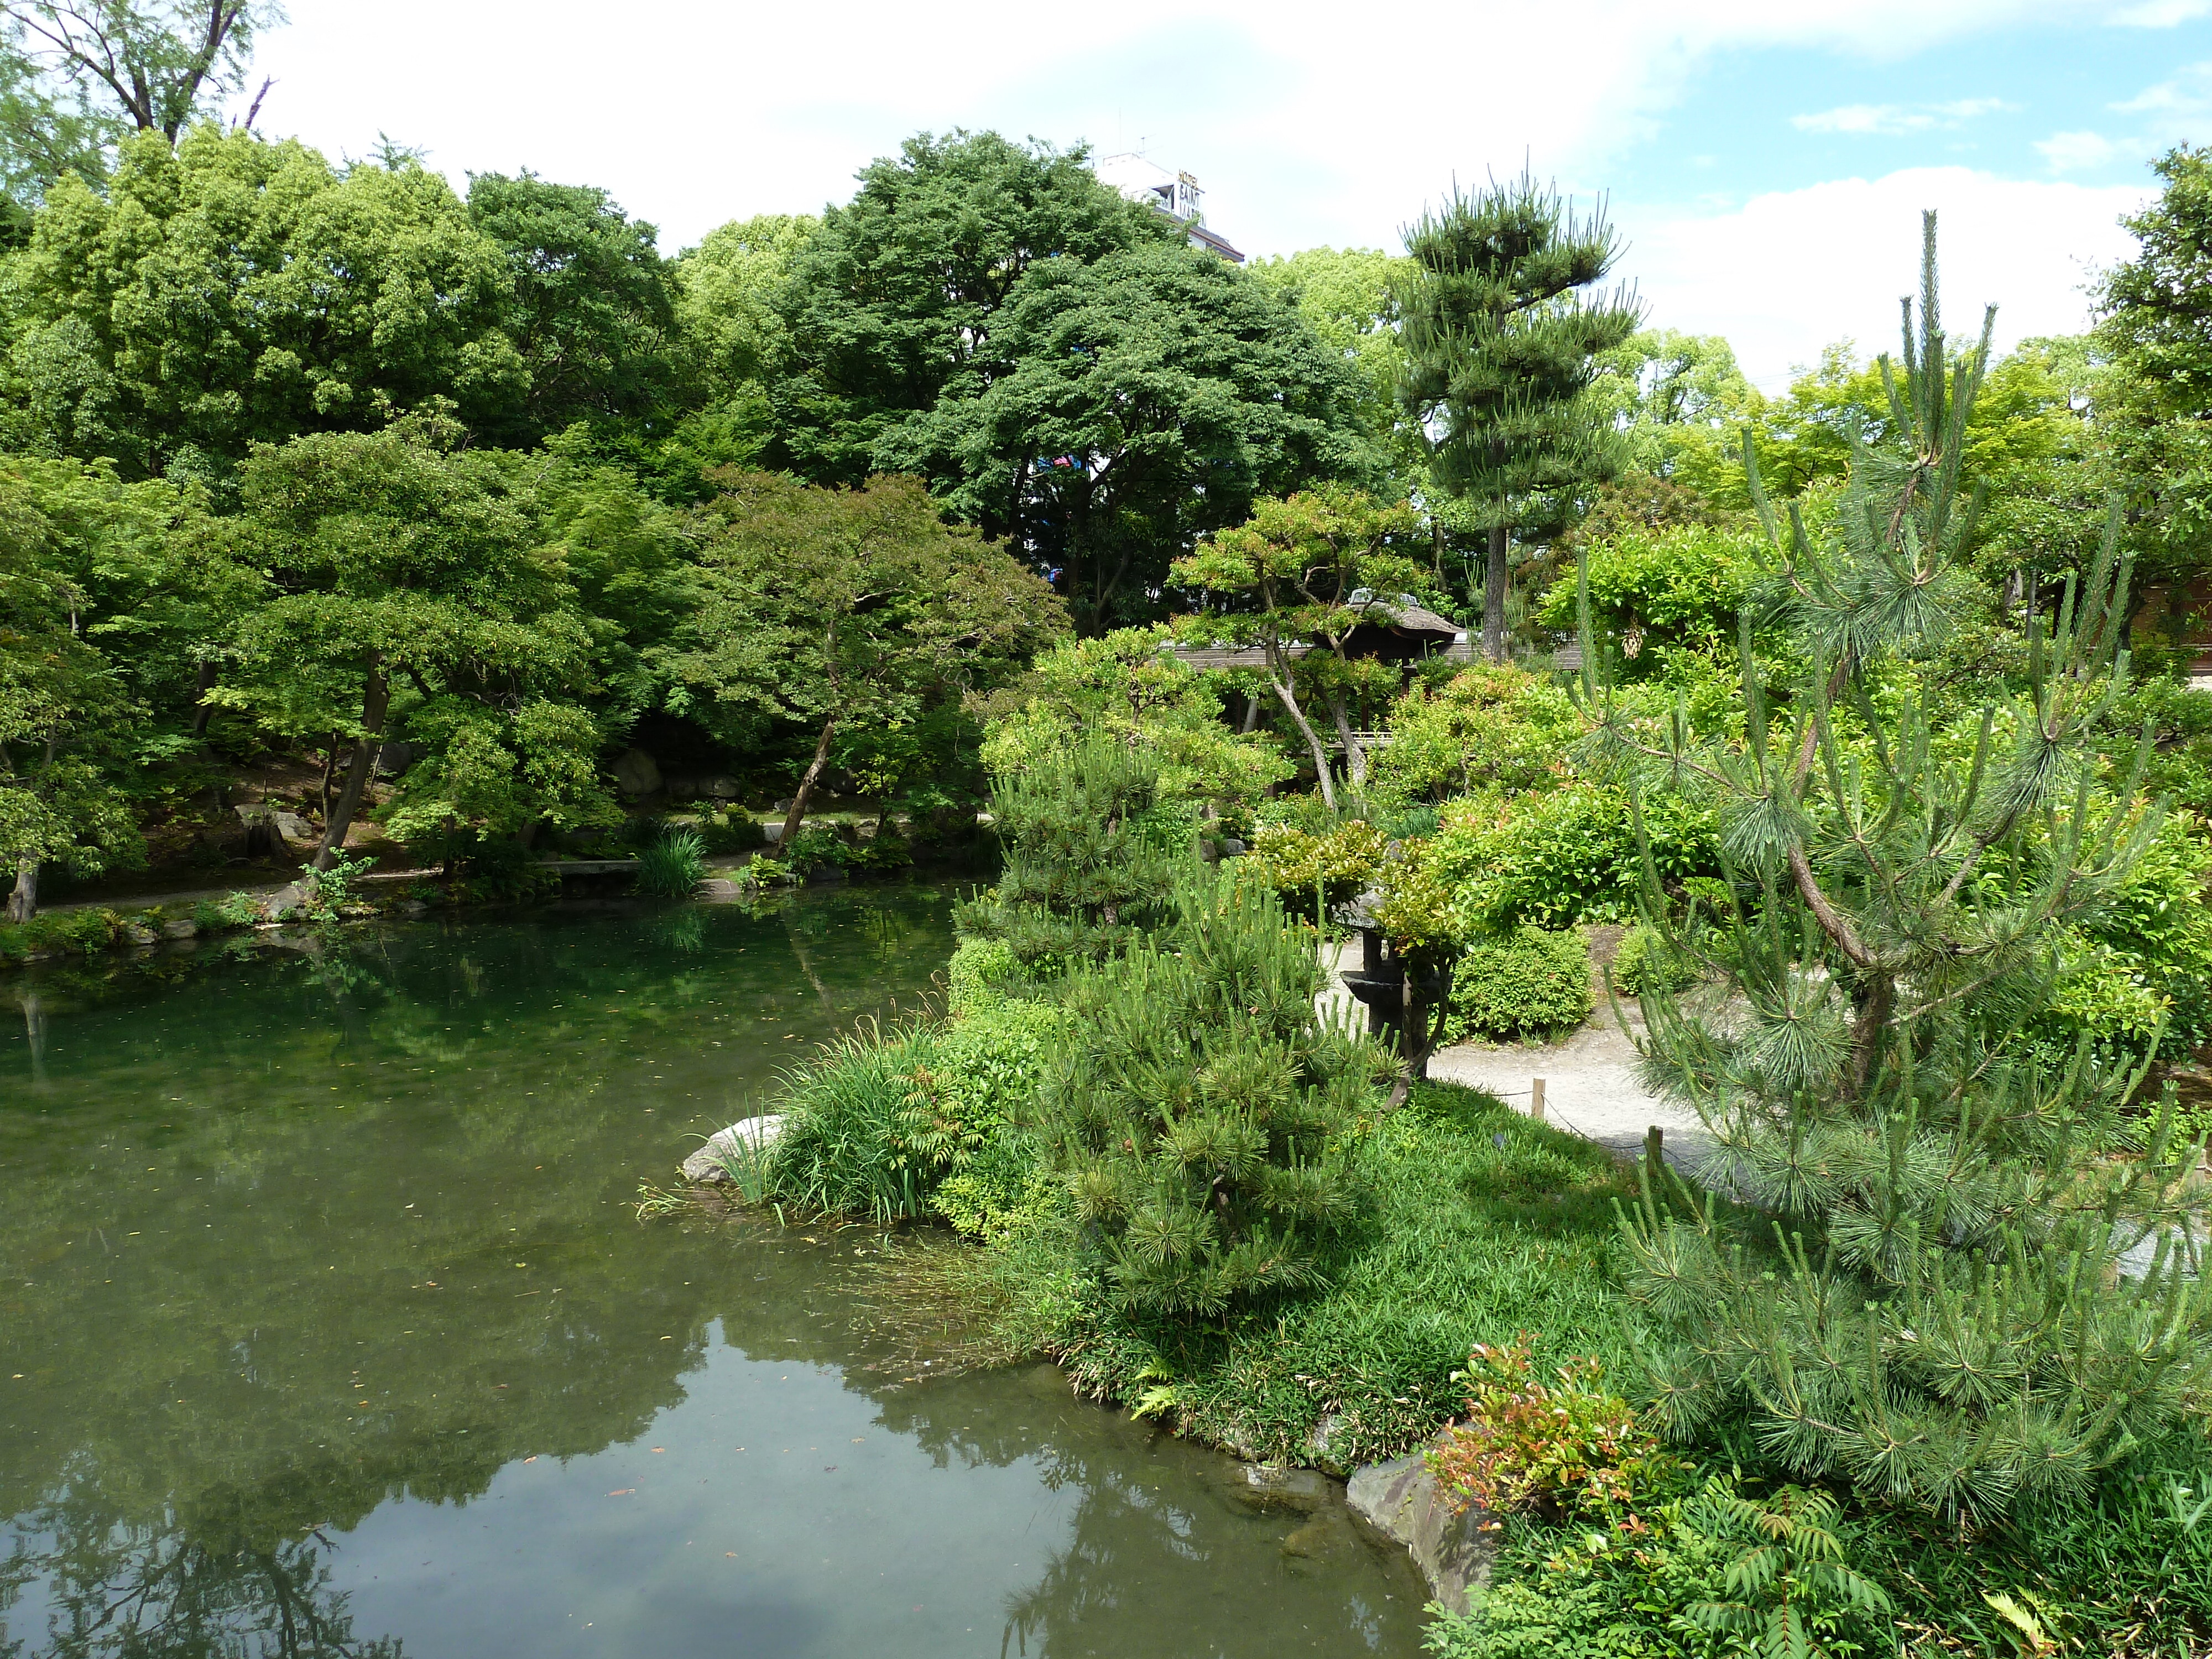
x,y
1789,272
1897,120
693,112
2161,13
2079,152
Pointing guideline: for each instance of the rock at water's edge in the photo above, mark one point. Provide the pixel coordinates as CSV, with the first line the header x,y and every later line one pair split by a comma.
x,y
1402,1499
748,1139
283,902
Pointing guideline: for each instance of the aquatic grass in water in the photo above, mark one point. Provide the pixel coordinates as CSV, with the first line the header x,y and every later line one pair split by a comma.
x,y
857,1126
672,867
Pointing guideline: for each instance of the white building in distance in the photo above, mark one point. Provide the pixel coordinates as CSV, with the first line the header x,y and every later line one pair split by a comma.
x,y
1175,194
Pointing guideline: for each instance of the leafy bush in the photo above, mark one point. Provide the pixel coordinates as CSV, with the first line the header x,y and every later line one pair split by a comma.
x,y
1530,984
762,872
814,846
1490,725
1556,1448
1127,687
672,867
232,911
498,869
1295,864
1200,1124
1710,1575
1566,855
979,970
73,933
886,851
1644,962
1652,590
732,832
1483,1222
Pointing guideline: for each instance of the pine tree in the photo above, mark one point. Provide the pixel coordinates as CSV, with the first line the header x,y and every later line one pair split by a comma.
x,y
1089,854
1974,1285
1501,341
1199,1125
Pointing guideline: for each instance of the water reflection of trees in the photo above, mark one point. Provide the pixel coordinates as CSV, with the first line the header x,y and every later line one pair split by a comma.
x,y
168,1592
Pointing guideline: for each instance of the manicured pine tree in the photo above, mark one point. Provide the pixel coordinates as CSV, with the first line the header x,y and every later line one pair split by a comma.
x,y
1200,1124
1089,857
1503,330
1976,1282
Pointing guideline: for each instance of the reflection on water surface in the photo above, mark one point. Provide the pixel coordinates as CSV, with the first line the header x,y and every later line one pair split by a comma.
x,y
325,1329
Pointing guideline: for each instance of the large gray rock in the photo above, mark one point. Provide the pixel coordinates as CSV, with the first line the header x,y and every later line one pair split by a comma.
x,y
1402,1500
637,774
393,757
284,902
709,1164
293,831
721,788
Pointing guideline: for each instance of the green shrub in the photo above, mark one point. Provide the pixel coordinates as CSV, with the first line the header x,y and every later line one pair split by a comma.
x,y
1566,855
54,932
499,870
1302,868
732,832
1483,1222
814,846
1199,1122
222,914
672,867
1558,1447
1488,726
1533,984
885,851
980,969
1091,848
1710,1575
1644,962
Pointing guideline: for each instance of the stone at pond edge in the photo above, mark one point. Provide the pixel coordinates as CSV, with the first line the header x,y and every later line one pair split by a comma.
x,y
1401,1499
284,902
1263,1487
180,929
751,1138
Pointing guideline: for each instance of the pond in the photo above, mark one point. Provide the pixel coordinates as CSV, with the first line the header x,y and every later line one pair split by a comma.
x,y
327,1327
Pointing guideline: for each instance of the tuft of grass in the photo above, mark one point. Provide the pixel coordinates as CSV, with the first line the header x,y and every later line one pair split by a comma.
x,y
852,1115
673,865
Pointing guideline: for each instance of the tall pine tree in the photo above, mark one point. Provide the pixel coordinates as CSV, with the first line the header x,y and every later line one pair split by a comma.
x,y
1502,331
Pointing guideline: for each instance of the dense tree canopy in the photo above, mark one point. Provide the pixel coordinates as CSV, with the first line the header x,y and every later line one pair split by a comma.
x,y
225,292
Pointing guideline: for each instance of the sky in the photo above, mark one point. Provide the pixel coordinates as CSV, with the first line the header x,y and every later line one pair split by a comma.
x,y
1765,162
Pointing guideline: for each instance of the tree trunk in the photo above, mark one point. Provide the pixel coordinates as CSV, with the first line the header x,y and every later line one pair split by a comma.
x,y
1313,739
1251,715
1355,757
339,818
805,791
202,709
1494,597
24,903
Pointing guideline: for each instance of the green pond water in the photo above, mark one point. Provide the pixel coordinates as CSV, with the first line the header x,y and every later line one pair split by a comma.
x,y
326,1327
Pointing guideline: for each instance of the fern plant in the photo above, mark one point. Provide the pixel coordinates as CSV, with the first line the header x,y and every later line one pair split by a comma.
x,y
1966,1289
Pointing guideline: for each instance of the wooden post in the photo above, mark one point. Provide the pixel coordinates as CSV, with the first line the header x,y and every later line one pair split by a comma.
x,y
1654,1141
1536,1099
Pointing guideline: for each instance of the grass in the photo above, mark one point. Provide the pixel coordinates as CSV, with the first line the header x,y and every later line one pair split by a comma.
x,y
673,865
1484,1225
850,1117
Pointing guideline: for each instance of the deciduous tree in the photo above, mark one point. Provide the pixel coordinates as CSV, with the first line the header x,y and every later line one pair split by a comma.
x,y
833,609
